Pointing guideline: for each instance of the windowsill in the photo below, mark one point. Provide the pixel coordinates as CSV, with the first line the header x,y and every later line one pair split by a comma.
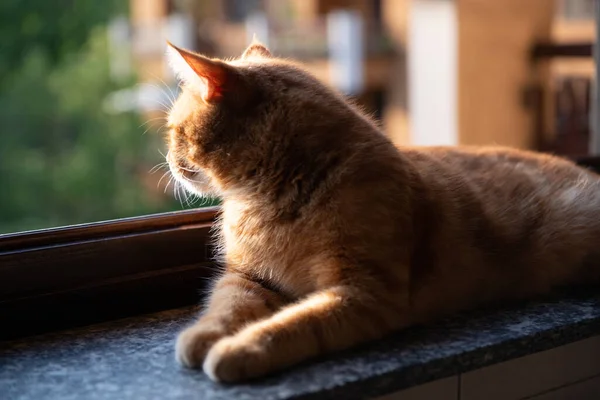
x,y
133,358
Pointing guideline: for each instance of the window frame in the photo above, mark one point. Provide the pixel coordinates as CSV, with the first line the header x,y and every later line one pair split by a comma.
x,y
75,275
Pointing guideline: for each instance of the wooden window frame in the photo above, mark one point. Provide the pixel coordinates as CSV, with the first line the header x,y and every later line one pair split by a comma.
x,y
69,276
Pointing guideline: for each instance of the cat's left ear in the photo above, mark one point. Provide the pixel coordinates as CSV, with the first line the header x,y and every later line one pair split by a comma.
x,y
256,48
210,77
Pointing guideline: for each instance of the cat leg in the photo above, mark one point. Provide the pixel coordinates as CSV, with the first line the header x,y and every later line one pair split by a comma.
x,y
326,321
234,302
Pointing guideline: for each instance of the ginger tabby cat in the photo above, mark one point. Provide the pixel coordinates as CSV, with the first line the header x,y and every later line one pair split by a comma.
x,y
331,236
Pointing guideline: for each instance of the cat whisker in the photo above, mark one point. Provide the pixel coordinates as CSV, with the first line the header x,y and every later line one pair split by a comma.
x,y
205,201
162,177
168,183
159,130
177,193
166,107
169,95
172,96
179,187
146,130
188,199
150,125
181,192
152,120
158,167
194,199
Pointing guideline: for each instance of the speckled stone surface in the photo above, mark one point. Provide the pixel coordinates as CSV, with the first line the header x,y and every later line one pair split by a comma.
x,y
133,358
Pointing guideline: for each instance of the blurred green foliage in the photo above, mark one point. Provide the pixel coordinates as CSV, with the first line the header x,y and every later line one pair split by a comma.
x,y
54,27
63,159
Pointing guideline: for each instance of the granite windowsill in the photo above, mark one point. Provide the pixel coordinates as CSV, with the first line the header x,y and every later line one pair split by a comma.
x,y
133,358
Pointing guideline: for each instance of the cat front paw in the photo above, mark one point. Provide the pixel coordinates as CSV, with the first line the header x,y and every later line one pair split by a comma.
x,y
233,360
194,343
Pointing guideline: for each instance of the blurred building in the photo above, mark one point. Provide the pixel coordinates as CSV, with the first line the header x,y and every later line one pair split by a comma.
x,y
433,71
343,43
568,91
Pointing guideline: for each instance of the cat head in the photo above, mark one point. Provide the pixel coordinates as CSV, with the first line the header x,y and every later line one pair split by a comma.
x,y
244,124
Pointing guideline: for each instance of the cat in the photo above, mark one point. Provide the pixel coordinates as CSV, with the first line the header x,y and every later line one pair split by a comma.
x,y
331,236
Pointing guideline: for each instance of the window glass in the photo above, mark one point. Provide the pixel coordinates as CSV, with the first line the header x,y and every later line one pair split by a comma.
x,y
80,113
85,87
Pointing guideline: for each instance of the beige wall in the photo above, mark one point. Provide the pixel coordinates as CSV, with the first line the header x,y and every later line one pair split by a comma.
x,y
145,11
494,38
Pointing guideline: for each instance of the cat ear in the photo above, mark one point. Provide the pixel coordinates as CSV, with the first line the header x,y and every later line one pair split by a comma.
x,y
256,48
209,76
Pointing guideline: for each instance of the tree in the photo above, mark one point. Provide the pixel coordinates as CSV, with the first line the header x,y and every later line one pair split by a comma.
x,y
54,27
63,159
